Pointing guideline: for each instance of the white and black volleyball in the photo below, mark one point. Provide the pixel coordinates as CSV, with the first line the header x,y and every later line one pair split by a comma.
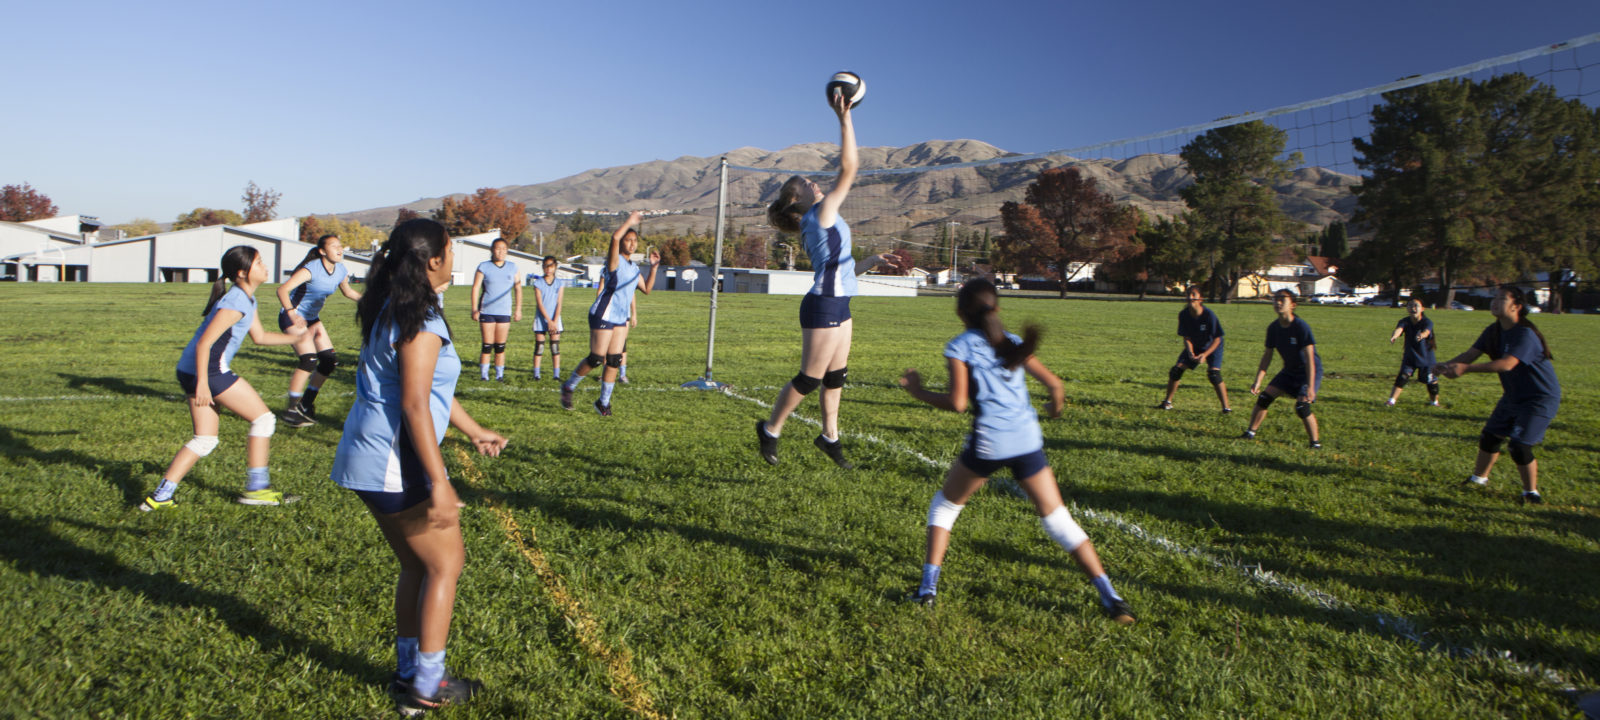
x,y
848,84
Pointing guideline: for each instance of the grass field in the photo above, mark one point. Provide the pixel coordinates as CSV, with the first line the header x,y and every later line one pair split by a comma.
x,y
649,565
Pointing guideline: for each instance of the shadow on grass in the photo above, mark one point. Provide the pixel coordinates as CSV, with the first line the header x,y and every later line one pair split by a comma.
x,y
124,475
30,546
118,386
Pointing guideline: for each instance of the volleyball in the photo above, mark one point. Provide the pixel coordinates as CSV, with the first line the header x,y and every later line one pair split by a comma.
x,y
848,84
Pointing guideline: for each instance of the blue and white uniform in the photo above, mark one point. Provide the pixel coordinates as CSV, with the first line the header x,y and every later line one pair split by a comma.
x,y
1005,427
827,303
499,282
375,454
1530,392
220,376
1199,331
1290,342
1418,356
614,305
308,297
549,290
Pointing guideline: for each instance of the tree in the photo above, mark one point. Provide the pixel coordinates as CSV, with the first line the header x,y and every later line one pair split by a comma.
x,y
21,203
675,251
311,229
481,212
139,227
580,223
1165,254
1064,224
405,214
201,217
751,252
1335,240
260,205
352,233
1234,212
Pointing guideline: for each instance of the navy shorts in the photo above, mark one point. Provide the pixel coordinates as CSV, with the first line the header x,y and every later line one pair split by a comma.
x,y
217,381
597,322
1022,466
818,311
1424,374
1190,362
1294,384
1524,423
493,319
284,323
415,487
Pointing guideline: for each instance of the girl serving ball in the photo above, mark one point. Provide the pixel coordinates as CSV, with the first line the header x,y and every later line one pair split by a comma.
x,y
314,280
1418,358
1202,343
494,286
1301,376
610,313
1530,392
208,381
825,323
389,453
987,367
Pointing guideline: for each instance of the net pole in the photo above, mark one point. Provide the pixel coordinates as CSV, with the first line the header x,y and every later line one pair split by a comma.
x,y
706,382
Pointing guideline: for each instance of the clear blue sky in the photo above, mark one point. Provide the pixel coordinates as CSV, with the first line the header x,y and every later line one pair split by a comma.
x,y
151,109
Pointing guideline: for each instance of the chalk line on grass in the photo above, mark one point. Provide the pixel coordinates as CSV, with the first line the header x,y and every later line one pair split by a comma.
x,y
1399,626
625,684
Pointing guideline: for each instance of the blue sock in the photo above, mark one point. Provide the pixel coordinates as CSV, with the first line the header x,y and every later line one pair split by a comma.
x,y
558,373
1107,593
622,371
256,479
536,374
499,372
294,396
405,654
930,580
483,370
165,490
605,392
430,670
572,382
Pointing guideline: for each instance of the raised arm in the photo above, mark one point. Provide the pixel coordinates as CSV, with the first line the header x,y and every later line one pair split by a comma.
x,y
849,163
955,400
650,279
615,251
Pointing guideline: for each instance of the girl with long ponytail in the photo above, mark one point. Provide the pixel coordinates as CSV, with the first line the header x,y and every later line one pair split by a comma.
x,y
1530,392
210,384
314,280
987,367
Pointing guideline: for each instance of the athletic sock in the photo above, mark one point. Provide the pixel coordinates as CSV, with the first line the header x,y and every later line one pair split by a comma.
x,y
499,372
767,431
310,400
572,382
930,580
1108,594
165,490
256,479
405,654
430,670
294,397
605,392
483,370
557,374
622,372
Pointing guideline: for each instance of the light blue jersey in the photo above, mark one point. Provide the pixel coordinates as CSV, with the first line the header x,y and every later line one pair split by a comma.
x,y
369,452
549,294
830,252
1004,423
498,284
309,296
615,303
223,350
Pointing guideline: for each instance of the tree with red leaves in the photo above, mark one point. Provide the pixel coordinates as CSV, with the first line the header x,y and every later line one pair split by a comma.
x,y
481,212
675,251
260,204
21,203
1065,223
752,253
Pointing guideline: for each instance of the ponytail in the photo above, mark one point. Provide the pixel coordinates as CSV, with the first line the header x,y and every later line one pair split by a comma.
x,y
976,306
1515,295
236,260
315,253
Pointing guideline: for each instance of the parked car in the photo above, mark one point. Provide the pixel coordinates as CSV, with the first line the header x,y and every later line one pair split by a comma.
x,y
1321,298
1458,305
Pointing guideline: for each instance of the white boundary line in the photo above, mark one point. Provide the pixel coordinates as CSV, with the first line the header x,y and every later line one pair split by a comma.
x,y
1254,573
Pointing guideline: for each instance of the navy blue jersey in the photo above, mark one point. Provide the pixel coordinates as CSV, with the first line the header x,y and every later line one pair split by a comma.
x,y
1418,354
1291,342
1533,380
1199,331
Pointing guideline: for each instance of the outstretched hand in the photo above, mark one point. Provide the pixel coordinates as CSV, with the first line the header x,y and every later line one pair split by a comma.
x,y
841,106
911,380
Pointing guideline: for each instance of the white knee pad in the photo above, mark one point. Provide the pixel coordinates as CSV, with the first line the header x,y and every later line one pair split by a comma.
x,y
202,445
942,512
1061,528
264,426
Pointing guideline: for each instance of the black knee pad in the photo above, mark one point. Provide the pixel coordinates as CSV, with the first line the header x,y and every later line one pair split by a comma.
x,y
1215,376
1175,374
1302,408
834,379
1490,443
327,360
1433,389
487,348
1401,380
1264,401
555,347
308,362
594,360
1521,454
538,348
499,348
614,360
805,384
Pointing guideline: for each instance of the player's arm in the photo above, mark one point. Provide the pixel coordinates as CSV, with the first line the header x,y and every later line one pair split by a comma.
x,y
488,442
516,311
1457,367
260,336
1216,341
418,358
615,251
296,279
538,305
954,401
849,163
1310,353
561,296
349,292
1058,391
1261,371
650,280
477,290
1398,331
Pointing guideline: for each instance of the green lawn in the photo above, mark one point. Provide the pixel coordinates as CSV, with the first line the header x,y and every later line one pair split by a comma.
x,y
650,564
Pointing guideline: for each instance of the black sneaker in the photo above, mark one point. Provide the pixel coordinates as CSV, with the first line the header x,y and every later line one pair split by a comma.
x,y
452,691
1165,405
1531,497
1119,612
1227,411
398,686
566,398
834,450
295,417
604,410
767,443
1316,444
921,598
1248,435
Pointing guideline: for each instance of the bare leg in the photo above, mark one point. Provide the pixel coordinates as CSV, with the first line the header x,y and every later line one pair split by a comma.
x,y
1046,495
1222,395
205,425
831,396
441,555
960,482
1484,464
538,357
502,332
817,347
241,399
1530,476
1311,426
